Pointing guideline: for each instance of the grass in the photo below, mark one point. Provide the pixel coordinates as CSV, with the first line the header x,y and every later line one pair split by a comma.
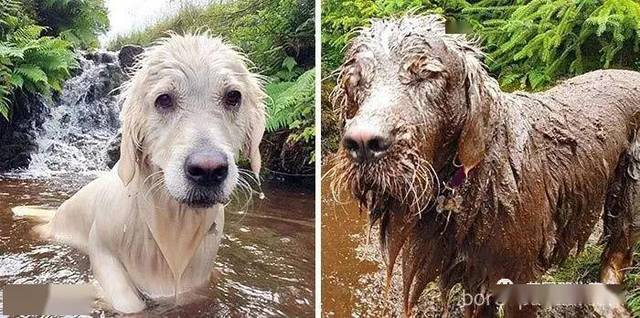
x,y
584,268
186,17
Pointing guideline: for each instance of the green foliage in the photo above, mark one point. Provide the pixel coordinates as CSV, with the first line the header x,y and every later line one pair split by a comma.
x,y
341,18
77,21
633,285
532,45
291,106
269,31
29,62
584,268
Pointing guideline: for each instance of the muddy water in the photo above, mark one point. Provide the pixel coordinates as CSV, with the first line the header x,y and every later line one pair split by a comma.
x,y
352,267
265,263
353,270
342,228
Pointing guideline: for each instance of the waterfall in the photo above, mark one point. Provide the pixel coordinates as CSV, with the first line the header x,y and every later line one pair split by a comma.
x,y
81,121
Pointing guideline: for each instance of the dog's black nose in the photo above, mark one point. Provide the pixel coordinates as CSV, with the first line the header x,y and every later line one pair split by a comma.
x,y
363,145
207,168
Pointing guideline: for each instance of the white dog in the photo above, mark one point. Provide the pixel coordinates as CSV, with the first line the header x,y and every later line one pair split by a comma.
x,y
152,226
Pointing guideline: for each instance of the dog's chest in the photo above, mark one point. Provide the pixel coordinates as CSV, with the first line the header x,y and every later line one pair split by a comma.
x,y
173,254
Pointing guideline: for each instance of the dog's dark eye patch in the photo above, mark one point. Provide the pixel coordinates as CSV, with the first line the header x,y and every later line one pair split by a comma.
x,y
232,98
164,102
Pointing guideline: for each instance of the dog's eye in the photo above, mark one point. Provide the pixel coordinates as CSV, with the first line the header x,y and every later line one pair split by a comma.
x,y
164,101
232,98
422,68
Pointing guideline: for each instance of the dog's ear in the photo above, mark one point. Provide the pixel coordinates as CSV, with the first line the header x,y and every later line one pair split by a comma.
x,y
129,146
480,94
255,129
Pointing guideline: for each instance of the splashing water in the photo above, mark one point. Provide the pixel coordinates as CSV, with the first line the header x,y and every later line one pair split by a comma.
x,y
81,122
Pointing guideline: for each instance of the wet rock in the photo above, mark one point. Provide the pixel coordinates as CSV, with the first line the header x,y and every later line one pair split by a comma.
x,y
113,150
110,77
17,138
107,58
75,124
128,56
76,71
89,56
285,158
103,57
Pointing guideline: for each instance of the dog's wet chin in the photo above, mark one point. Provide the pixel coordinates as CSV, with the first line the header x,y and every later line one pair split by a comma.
x,y
203,198
200,197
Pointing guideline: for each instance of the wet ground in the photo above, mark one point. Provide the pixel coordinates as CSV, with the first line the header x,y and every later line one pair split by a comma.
x,y
265,263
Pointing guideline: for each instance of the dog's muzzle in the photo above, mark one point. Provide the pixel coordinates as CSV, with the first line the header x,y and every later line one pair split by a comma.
x,y
207,168
206,171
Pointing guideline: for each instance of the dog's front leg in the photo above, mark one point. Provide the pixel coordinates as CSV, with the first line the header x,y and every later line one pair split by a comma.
x,y
113,277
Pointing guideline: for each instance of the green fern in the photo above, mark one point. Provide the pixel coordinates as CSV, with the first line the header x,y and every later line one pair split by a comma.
x,y
6,86
290,101
76,21
291,107
632,281
533,44
29,61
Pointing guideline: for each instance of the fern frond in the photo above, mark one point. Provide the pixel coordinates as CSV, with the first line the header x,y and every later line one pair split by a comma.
x,y
543,40
31,73
290,101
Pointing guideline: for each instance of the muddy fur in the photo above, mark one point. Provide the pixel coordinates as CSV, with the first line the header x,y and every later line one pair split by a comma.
x,y
541,169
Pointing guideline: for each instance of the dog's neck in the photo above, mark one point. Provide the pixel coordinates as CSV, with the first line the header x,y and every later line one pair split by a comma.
x,y
177,229
496,173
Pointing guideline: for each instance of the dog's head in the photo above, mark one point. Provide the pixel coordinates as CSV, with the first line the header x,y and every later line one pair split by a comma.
x,y
412,98
189,108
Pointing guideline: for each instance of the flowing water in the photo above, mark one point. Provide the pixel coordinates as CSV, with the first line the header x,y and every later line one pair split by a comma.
x,y
80,123
265,266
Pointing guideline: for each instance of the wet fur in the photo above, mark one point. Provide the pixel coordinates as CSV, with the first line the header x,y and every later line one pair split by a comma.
x,y
541,167
148,232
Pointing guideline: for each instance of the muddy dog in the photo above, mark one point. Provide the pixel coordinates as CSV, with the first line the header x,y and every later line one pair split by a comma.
x,y
471,184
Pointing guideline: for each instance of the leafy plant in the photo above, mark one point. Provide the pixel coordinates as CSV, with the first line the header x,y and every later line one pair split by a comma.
x,y
291,106
28,61
77,21
532,45
584,268
269,31
632,282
